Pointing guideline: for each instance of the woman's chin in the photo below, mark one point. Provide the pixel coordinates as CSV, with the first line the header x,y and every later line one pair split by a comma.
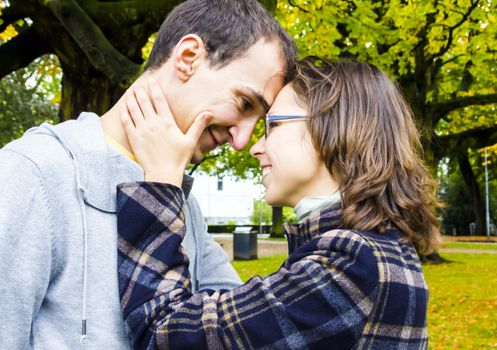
x,y
275,201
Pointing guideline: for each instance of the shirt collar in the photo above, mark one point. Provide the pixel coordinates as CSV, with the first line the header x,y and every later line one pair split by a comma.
x,y
313,226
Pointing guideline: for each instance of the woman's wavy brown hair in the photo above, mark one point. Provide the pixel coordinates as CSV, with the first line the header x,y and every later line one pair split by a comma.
x,y
363,130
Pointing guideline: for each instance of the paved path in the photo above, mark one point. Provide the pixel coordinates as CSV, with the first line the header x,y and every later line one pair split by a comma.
x,y
264,247
267,247
468,251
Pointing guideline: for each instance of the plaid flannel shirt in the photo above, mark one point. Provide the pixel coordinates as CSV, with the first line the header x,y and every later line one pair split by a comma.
x,y
338,289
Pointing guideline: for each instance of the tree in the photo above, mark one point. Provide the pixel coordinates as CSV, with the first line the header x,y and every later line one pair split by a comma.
x,y
27,98
98,43
463,149
442,54
458,213
259,213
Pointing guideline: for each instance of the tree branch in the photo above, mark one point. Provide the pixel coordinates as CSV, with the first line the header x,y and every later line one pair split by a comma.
x,y
474,138
293,4
466,79
441,109
195,167
464,18
464,85
451,60
421,62
21,51
100,52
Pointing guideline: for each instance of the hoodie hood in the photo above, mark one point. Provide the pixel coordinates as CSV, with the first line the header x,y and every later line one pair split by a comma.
x,y
101,167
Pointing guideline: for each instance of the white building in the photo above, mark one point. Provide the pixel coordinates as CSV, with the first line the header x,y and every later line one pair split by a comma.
x,y
225,200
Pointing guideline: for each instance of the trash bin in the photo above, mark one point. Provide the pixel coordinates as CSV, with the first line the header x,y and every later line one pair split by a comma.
x,y
244,244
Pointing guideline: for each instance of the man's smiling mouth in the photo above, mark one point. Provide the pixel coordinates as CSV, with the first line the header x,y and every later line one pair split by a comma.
x,y
216,142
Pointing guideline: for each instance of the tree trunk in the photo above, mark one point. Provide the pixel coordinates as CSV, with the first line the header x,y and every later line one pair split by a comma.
x,y
85,89
277,226
474,191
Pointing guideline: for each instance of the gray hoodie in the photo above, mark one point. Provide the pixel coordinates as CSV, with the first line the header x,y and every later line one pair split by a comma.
x,y
58,255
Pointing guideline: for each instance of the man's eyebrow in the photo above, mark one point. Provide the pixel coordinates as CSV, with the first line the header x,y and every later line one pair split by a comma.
x,y
258,96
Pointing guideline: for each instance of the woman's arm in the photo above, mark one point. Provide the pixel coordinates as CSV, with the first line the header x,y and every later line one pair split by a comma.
x,y
310,300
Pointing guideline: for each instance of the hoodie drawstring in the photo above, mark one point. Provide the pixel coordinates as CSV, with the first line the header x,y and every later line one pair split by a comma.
x,y
85,253
85,230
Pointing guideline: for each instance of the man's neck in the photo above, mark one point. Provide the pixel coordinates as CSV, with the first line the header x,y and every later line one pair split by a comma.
x,y
112,126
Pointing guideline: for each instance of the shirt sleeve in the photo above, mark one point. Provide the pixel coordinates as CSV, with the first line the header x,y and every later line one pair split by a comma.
x,y
309,301
26,257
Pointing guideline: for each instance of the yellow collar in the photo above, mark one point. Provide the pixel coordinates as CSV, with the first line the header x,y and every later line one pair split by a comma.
x,y
119,148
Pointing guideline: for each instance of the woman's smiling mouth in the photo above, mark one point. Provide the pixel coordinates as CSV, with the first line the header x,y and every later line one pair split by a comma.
x,y
266,170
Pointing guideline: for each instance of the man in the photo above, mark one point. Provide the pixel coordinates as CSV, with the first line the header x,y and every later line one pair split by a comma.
x,y
57,209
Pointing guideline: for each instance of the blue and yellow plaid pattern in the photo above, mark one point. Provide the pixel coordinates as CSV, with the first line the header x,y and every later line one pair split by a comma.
x,y
338,289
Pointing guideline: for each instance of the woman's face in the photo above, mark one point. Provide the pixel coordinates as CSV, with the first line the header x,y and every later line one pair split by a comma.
x,y
290,165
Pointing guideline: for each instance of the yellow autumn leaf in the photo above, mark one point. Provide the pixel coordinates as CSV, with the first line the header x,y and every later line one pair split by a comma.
x,y
56,99
8,33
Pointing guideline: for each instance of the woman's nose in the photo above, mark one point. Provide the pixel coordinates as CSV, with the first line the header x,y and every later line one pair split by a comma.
x,y
257,148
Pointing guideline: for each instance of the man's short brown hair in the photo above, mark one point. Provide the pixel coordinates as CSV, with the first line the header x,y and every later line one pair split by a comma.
x,y
227,27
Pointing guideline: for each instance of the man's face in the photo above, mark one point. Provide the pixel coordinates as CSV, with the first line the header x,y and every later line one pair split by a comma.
x,y
238,95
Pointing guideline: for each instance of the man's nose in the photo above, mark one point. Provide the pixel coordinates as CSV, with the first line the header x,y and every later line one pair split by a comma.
x,y
241,133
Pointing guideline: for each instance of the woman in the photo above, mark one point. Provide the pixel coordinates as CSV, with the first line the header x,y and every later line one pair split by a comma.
x,y
342,149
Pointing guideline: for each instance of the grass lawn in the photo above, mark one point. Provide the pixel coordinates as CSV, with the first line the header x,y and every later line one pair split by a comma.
x,y
463,298
467,245
262,266
463,302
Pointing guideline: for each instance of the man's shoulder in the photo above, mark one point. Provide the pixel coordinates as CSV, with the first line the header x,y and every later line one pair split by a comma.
x,y
33,146
38,151
44,146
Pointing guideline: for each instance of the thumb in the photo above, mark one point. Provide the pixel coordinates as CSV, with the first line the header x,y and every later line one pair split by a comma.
x,y
198,126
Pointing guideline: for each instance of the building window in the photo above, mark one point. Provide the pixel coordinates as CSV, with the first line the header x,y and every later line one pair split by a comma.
x,y
219,184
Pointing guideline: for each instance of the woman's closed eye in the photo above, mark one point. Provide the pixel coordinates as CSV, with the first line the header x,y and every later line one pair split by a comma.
x,y
273,124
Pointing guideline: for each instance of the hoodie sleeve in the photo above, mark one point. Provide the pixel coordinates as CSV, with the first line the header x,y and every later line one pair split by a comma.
x,y
26,229
215,270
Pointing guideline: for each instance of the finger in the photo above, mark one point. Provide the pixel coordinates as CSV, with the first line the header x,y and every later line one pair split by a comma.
x,y
198,126
145,103
159,100
126,120
134,108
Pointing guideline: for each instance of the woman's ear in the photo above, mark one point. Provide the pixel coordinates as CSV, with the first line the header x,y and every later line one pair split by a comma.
x,y
187,56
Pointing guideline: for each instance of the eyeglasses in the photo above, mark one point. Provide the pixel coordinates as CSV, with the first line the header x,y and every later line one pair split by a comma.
x,y
273,120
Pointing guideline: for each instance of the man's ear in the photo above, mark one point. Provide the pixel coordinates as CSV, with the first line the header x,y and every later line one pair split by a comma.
x,y
187,56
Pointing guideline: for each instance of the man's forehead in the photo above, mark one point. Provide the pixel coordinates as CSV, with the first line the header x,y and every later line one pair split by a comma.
x,y
273,87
